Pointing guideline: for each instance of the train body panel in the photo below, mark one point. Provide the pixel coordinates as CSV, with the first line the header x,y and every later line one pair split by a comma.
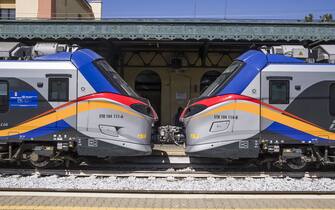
x,y
109,121
262,104
70,102
225,130
27,92
305,114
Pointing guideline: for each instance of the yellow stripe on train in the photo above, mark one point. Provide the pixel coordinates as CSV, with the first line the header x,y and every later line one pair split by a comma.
x,y
273,116
62,114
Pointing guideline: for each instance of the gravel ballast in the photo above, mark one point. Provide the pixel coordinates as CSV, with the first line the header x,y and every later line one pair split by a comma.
x,y
167,184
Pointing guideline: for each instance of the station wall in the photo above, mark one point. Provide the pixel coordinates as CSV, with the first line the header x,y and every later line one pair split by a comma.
x,y
169,83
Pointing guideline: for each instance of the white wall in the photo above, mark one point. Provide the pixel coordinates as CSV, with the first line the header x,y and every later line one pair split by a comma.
x,y
26,9
96,8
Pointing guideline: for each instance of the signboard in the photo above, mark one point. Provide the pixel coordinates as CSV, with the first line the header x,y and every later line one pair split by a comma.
x,y
23,99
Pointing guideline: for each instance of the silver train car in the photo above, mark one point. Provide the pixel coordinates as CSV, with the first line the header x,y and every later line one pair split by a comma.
x,y
273,108
58,103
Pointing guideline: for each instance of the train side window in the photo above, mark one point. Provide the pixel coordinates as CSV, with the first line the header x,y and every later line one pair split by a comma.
x,y
279,92
332,99
4,99
58,89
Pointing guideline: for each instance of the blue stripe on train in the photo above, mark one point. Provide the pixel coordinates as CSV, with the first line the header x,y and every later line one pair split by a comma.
x,y
254,61
41,131
83,60
293,133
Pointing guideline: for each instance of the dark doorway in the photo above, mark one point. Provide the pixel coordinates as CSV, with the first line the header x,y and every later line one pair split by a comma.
x,y
208,78
148,85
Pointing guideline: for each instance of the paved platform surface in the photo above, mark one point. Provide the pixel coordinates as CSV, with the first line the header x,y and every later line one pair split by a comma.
x,y
168,149
90,201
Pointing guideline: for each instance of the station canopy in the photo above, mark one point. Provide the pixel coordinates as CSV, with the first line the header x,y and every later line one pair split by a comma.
x,y
169,29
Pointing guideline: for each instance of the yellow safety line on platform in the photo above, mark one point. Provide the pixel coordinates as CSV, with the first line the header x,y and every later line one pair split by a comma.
x,y
149,208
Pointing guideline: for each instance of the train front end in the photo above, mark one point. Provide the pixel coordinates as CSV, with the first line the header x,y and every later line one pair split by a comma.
x,y
113,119
214,125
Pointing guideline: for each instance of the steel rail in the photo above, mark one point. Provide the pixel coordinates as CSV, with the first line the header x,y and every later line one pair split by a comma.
x,y
164,174
223,192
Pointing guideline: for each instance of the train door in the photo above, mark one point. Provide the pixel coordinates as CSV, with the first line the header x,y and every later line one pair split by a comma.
x,y
62,88
246,120
4,105
276,91
180,90
84,89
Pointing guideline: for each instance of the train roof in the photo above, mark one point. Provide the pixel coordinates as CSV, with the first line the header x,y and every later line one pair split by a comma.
x,y
290,54
49,51
260,58
82,59
70,56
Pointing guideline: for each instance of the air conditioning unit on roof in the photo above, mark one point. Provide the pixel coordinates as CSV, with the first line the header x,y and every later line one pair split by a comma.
x,y
295,51
324,53
9,49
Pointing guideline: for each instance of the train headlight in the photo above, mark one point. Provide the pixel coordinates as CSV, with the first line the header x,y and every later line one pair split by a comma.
x,y
109,130
219,126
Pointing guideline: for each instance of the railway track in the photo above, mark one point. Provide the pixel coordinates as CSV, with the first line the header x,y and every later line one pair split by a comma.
x,y
167,173
164,174
47,190
165,182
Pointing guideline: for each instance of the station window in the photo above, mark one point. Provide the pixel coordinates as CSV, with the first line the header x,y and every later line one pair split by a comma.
x,y
4,99
279,92
7,14
58,89
332,99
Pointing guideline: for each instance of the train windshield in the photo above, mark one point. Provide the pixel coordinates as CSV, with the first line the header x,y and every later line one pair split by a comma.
x,y
114,78
222,80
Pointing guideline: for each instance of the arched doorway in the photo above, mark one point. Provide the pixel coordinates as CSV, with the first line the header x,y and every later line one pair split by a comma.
x,y
208,78
148,85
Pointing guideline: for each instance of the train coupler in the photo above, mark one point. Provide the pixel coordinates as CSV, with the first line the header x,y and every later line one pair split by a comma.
x,y
171,134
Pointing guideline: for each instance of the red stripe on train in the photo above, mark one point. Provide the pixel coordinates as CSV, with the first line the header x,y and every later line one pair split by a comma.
x,y
126,100
230,97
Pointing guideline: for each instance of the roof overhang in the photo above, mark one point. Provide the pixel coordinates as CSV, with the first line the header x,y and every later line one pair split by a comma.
x,y
169,29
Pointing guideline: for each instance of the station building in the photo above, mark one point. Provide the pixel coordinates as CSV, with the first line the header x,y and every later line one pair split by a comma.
x,y
166,60
49,9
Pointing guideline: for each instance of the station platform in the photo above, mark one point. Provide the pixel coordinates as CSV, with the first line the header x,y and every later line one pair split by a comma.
x,y
126,201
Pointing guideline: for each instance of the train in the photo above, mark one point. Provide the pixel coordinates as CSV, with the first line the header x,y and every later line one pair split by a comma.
x,y
273,105
61,102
